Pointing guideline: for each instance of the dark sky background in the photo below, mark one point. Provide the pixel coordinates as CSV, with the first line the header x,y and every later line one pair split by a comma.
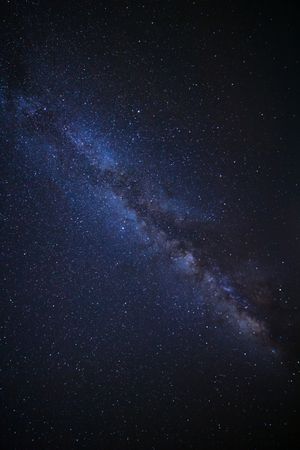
x,y
150,225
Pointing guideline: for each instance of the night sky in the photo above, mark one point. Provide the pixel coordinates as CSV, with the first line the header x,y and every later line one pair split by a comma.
x,y
150,225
